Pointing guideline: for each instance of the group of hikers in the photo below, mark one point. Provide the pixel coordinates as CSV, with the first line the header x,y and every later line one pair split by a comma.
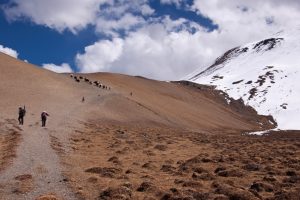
x,y
22,112
85,79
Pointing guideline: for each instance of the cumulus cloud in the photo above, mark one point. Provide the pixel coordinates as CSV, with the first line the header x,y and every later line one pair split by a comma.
x,y
146,10
63,68
9,51
100,55
76,15
55,14
112,27
176,2
116,8
241,21
123,16
156,51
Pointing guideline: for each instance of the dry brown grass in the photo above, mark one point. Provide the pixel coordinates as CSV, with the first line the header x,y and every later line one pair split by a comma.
x,y
131,162
9,139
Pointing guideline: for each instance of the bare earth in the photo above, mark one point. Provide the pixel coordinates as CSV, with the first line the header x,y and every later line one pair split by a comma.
x,y
142,139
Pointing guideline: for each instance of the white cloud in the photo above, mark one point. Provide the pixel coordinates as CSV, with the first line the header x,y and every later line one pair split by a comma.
x,y
63,68
154,51
117,8
9,51
176,2
98,56
75,15
112,27
123,16
242,21
55,14
146,10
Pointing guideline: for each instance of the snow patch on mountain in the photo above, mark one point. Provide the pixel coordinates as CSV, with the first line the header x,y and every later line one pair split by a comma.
x,y
265,74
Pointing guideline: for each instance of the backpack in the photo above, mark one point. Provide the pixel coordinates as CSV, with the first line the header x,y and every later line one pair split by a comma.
x,y
22,112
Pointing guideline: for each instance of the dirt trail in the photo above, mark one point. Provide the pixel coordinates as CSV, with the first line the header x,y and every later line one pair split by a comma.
x,y
36,170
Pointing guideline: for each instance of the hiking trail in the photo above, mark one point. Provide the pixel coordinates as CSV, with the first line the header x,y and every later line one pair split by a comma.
x,y
36,170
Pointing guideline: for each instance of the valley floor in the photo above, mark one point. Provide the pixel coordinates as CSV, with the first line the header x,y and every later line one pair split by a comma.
x,y
135,162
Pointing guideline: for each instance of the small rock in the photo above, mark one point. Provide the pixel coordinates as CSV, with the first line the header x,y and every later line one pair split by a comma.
x,y
144,187
252,167
291,173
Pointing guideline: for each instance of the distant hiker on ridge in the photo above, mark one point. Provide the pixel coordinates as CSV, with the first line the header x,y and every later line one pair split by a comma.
x,y
44,118
22,112
82,100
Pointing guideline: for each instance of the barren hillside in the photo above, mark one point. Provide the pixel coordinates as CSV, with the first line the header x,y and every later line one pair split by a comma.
x,y
151,101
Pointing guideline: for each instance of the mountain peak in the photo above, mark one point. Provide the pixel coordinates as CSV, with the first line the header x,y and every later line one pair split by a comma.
x,y
264,74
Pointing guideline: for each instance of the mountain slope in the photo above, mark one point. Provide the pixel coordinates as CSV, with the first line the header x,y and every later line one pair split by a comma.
x,y
264,74
152,101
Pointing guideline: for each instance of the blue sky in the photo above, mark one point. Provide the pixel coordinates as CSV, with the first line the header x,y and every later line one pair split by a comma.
x,y
161,39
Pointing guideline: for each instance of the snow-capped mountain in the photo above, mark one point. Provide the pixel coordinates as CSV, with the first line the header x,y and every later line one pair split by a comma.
x,y
265,74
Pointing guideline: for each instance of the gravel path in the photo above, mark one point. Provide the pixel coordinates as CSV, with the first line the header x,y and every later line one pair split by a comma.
x,y
36,169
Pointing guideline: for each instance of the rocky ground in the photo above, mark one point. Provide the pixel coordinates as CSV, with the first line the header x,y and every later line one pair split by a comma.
x,y
132,162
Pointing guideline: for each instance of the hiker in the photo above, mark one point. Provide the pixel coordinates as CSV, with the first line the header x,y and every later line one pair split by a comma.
x,y
22,112
44,118
82,100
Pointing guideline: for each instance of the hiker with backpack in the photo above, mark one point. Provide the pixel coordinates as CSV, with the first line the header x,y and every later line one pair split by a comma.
x,y
22,112
44,116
